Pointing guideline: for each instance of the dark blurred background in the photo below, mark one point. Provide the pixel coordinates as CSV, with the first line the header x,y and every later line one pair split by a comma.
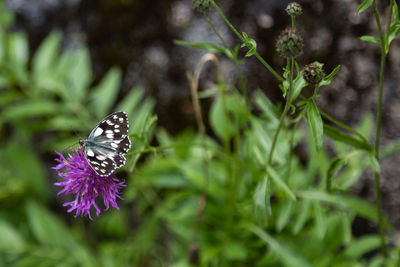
x,y
138,37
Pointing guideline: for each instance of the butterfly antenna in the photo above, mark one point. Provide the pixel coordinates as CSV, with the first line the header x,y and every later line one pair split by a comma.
x,y
76,135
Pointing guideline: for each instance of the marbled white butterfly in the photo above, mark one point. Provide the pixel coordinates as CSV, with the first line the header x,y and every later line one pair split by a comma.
x,y
107,144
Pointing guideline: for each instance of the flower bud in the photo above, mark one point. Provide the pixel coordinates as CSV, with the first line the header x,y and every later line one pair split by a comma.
x,y
313,73
201,5
294,9
289,43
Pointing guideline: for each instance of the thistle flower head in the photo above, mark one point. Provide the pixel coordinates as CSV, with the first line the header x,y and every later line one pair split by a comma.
x,y
83,182
313,73
294,9
289,43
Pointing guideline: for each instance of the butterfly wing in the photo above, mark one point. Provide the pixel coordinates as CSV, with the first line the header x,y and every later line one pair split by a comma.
x,y
107,144
100,162
113,127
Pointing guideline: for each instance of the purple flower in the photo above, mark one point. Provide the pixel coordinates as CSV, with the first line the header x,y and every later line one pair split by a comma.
x,y
82,181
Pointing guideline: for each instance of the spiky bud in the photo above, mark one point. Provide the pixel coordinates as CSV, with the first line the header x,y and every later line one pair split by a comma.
x,y
201,5
289,43
313,73
294,9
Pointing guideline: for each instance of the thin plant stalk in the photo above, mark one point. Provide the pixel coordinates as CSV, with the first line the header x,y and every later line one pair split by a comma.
x,y
285,110
235,60
383,40
194,82
243,40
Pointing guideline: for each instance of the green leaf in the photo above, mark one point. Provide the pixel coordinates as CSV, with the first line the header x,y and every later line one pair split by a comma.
x,y
355,204
286,255
280,183
209,93
250,44
363,6
394,30
328,79
390,149
337,135
32,172
29,109
11,239
132,101
209,47
66,123
46,55
265,104
315,121
104,95
47,228
284,214
370,39
261,199
333,169
80,74
346,226
374,163
298,83
320,219
359,247
227,115
18,54
303,215
18,49
235,251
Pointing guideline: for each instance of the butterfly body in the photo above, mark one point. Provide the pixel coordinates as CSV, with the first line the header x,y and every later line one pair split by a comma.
x,y
107,144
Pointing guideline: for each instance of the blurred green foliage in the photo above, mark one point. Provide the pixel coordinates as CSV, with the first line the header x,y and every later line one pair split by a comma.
x,y
196,199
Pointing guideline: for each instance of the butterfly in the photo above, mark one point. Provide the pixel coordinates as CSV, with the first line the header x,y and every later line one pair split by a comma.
x,y
107,144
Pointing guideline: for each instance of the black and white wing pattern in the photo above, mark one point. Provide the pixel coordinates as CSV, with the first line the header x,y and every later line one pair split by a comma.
x,y
107,144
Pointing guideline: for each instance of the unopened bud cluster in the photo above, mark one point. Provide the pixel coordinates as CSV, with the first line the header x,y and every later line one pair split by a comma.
x,y
201,5
294,9
313,73
289,43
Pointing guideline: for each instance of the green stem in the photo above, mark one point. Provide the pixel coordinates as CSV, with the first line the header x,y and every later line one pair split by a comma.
x,y
289,169
379,123
235,60
293,22
215,30
285,110
243,40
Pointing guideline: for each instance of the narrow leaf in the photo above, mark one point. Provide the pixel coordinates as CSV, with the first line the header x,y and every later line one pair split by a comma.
x,y
303,215
315,122
333,169
390,149
355,204
47,228
280,183
370,39
209,47
289,257
261,199
284,214
320,219
337,135
359,247
363,6
328,79
374,163
104,95
46,54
